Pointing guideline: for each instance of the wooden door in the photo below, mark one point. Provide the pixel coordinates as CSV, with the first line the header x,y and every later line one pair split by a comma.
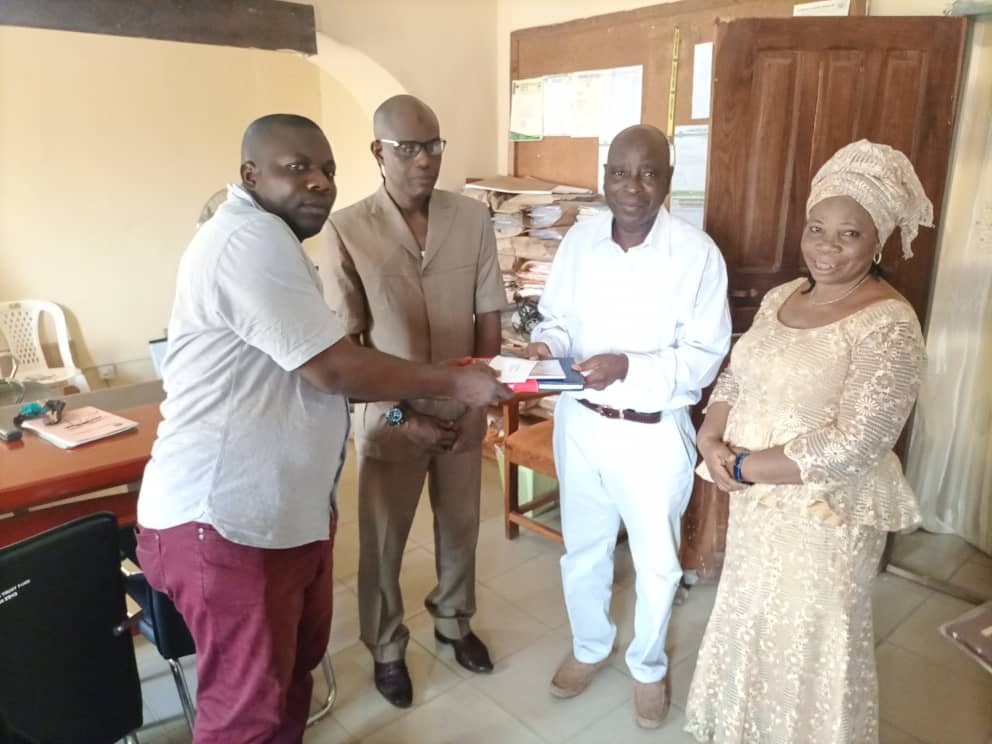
x,y
787,94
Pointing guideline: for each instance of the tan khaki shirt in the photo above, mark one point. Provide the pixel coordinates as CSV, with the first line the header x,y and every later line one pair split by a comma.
x,y
417,307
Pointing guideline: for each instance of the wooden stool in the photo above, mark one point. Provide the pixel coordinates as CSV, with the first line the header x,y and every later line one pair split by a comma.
x,y
529,447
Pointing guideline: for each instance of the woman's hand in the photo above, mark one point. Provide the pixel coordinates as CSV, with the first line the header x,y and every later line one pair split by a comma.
x,y
719,458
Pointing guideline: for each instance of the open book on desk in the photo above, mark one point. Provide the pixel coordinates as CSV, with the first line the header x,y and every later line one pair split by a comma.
x,y
80,426
530,376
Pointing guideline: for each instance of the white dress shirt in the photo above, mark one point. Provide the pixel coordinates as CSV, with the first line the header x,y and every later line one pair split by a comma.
x,y
663,303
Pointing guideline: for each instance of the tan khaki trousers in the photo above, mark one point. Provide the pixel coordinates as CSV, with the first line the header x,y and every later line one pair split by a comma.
x,y
388,494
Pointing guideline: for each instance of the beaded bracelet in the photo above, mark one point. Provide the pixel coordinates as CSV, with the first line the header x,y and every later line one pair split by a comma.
x,y
737,468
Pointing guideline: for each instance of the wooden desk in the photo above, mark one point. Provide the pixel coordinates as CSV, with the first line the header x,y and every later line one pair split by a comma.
x,y
34,473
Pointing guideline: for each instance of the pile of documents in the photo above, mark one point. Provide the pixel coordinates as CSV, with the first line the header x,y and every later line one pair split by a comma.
x,y
530,218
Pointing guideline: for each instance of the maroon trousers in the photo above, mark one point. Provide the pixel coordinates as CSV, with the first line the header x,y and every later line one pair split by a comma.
x,y
261,620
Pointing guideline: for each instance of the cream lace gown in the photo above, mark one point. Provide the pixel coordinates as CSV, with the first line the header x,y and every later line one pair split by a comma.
x,y
789,655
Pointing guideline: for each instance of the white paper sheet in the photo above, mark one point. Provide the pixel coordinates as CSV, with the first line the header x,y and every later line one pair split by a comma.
x,y
623,101
527,110
589,92
702,80
559,106
689,179
823,8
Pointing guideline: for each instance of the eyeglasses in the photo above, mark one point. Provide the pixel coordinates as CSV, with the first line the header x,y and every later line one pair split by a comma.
x,y
412,148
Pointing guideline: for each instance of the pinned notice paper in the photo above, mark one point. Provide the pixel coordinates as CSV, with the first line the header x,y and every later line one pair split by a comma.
x,y
559,106
527,110
689,177
589,91
623,101
823,8
702,80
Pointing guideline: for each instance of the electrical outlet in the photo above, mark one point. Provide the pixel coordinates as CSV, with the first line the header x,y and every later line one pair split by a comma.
x,y
107,372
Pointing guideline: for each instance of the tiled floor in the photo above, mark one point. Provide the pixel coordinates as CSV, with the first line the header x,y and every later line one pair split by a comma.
x,y
929,691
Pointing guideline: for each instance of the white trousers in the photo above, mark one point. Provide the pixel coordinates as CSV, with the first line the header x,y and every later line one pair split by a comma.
x,y
611,470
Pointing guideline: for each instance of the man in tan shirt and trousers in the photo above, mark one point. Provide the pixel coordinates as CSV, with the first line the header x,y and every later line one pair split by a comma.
x,y
412,271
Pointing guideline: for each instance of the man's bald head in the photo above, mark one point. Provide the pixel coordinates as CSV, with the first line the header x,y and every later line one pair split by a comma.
x,y
400,113
645,137
263,130
636,178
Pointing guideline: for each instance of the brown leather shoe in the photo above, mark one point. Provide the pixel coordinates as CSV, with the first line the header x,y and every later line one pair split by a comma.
x,y
392,680
470,652
574,676
651,702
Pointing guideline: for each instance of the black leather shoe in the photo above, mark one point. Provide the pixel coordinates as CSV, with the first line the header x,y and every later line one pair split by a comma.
x,y
470,652
392,680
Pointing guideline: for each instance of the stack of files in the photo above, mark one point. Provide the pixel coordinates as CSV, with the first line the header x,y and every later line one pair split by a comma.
x,y
80,426
530,376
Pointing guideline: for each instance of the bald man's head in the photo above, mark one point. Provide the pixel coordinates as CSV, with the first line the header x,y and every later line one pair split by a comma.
x,y
645,136
288,167
637,176
408,148
397,114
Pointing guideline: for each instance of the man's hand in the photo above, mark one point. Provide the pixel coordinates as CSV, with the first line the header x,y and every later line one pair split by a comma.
x,y
477,385
470,430
537,350
428,433
603,370
719,459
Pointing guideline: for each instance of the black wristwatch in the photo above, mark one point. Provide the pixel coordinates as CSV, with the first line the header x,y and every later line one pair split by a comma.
x,y
395,415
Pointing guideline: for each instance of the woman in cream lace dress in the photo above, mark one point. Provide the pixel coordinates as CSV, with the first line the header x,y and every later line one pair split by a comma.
x,y
800,430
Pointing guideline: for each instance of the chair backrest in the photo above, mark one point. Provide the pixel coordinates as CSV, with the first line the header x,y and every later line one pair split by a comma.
x,y
157,349
66,676
160,622
20,325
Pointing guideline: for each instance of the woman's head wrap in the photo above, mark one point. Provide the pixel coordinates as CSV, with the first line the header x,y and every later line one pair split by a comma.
x,y
880,179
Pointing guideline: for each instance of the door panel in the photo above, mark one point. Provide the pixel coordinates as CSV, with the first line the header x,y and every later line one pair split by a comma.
x,y
787,94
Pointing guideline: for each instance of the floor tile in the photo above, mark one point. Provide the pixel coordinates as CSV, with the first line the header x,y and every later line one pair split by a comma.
x,y
344,625
502,626
535,587
920,635
496,555
327,731
520,686
682,679
685,630
462,714
359,706
893,600
889,734
931,554
346,553
620,727
976,576
935,704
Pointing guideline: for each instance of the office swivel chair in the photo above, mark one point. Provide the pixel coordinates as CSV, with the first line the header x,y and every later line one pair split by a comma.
x,y
67,676
160,622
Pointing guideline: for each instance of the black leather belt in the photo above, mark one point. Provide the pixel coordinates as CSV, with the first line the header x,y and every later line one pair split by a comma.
x,y
626,414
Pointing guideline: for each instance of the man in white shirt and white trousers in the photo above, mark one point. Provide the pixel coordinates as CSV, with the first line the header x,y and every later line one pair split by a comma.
x,y
639,299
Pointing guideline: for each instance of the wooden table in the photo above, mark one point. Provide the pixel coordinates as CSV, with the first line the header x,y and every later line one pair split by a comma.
x,y
35,473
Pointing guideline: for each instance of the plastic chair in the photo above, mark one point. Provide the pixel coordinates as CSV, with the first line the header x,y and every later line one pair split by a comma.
x,y
20,325
162,624
69,675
